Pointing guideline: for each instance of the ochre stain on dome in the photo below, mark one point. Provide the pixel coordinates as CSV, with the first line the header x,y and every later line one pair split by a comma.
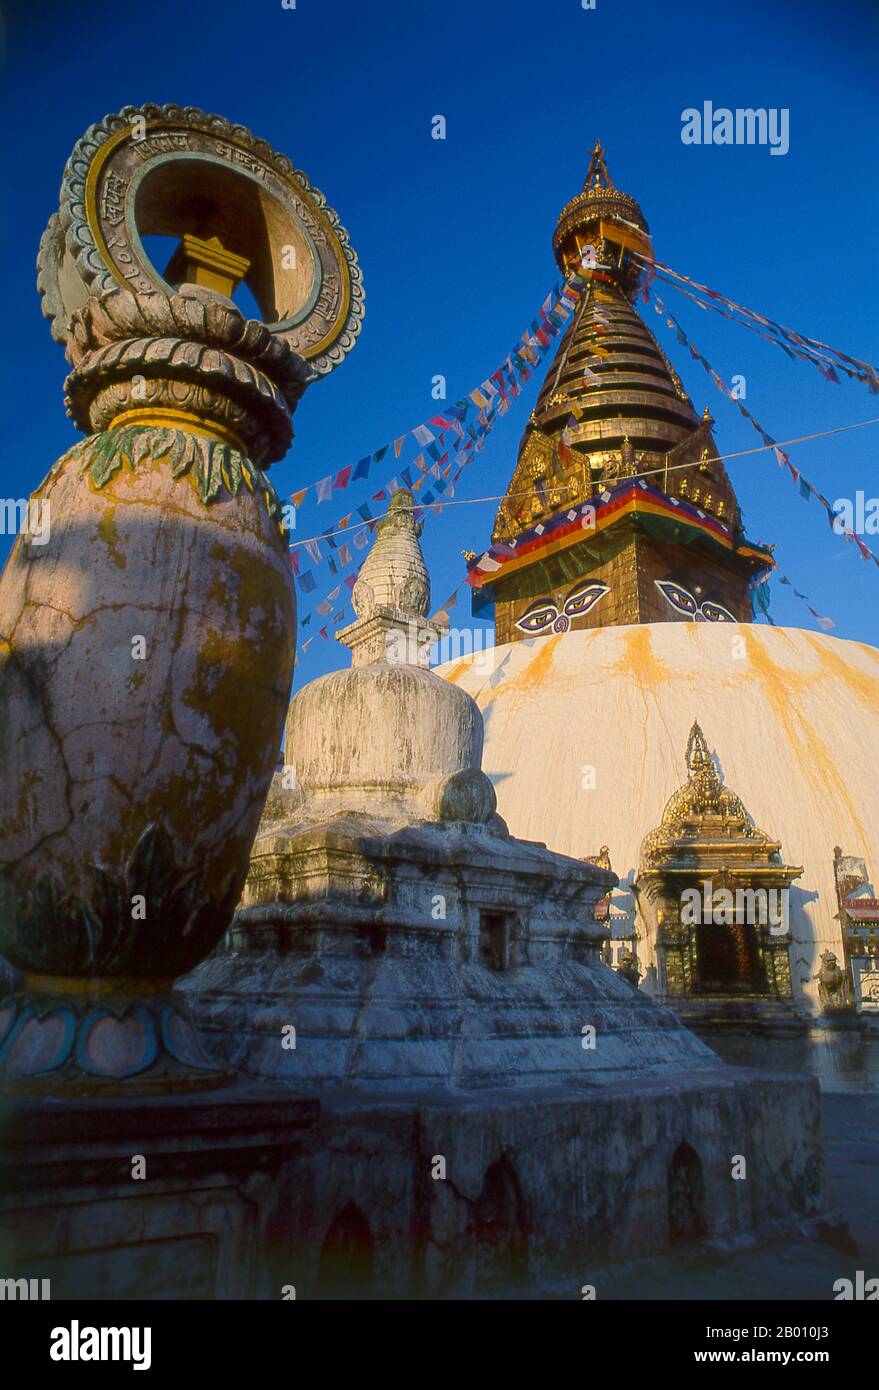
x,y
456,672
531,677
639,658
781,689
860,683
540,665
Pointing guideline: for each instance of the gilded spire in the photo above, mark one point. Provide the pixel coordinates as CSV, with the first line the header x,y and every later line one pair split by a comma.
x,y
614,434
601,211
597,175
698,756
702,807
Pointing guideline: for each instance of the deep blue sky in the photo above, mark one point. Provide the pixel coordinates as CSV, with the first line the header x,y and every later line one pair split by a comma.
x,y
454,236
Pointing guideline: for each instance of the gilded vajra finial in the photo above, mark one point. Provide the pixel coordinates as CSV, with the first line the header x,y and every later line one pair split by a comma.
x,y
698,756
597,175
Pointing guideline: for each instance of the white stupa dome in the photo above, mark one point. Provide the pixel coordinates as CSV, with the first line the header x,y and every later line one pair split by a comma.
x,y
585,734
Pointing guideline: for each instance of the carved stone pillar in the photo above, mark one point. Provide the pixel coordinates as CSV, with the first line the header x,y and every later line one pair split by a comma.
x,y
148,635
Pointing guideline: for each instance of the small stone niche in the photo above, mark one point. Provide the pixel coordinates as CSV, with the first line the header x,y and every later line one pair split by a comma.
x,y
495,939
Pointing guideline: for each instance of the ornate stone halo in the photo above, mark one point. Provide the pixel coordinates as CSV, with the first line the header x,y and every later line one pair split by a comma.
x,y
172,170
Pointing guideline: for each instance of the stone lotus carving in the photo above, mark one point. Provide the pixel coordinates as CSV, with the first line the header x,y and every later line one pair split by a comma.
x,y
215,466
193,351
89,1040
48,929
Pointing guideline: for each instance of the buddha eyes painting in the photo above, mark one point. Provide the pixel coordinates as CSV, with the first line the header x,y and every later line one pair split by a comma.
x,y
689,606
544,615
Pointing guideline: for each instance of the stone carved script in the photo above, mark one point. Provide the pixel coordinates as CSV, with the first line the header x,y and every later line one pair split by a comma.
x,y
113,199
317,310
116,218
242,157
152,145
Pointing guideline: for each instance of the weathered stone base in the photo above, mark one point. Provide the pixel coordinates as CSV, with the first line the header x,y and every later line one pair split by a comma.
x,y
841,1050
396,1020
197,1224
757,1018
411,956
250,1192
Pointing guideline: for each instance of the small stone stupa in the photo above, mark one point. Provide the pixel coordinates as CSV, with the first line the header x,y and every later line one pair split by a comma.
x,y
387,739
389,915
438,985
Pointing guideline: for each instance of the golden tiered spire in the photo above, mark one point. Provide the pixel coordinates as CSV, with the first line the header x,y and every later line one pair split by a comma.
x,y
612,411
611,376
611,397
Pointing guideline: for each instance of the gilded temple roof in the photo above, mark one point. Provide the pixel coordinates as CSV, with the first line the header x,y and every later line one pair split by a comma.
x,y
703,811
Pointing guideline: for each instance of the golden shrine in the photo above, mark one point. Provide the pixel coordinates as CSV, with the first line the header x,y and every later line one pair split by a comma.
x,y
713,889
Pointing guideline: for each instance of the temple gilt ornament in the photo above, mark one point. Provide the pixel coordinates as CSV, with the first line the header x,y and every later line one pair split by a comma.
x,y
149,645
716,889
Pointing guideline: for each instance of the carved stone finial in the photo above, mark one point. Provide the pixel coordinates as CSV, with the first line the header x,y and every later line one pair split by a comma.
x,y
197,174
394,574
392,594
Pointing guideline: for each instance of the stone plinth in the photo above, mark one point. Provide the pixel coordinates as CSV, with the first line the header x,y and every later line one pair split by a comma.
x,y
253,1193
428,955
197,1224
498,1107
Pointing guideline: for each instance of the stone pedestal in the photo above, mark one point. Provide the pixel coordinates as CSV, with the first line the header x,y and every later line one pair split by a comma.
x,y
196,1224
257,1194
148,624
421,956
